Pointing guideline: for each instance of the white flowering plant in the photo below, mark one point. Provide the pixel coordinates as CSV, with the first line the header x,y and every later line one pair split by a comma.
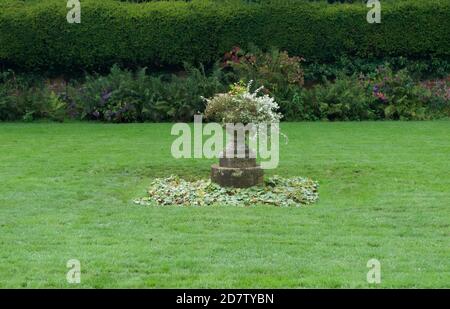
x,y
241,105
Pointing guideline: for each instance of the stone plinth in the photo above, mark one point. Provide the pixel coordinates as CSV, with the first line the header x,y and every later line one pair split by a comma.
x,y
237,172
237,177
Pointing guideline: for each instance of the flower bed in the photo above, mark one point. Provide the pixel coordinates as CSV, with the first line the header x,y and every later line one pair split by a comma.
x,y
277,191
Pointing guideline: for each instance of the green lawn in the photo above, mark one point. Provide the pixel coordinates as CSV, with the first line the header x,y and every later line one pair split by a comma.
x,y
66,192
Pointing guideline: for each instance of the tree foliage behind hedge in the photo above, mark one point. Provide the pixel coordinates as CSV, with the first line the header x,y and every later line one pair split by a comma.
x,y
36,36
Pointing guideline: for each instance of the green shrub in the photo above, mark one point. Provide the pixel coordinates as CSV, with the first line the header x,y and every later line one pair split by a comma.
x,y
437,95
36,36
124,96
420,69
344,99
384,95
299,106
275,70
397,95
25,99
387,95
135,96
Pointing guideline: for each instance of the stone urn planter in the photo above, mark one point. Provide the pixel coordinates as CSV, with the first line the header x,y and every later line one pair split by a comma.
x,y
240,106
237,171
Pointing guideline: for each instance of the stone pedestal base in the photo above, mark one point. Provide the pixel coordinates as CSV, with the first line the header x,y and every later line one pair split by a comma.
x,y
236,171
237,177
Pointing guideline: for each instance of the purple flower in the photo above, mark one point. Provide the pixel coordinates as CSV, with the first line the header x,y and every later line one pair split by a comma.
x,y
96,114
376,89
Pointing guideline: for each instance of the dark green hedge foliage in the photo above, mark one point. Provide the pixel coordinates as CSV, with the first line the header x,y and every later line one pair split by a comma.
x,y
36,36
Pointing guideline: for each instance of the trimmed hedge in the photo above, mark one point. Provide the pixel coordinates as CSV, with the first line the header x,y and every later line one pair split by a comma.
x,y
36,36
